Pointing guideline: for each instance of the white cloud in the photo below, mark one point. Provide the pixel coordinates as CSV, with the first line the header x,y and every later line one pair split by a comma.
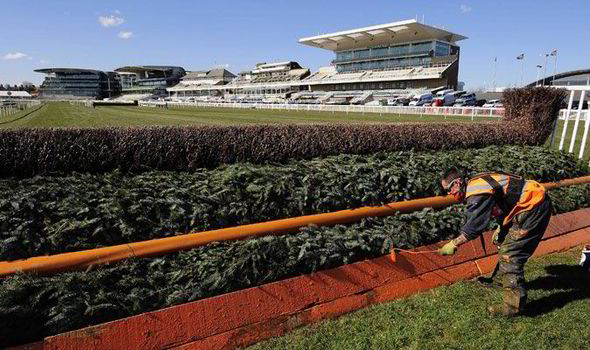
x,y
465,8
125,35
110,21
16,56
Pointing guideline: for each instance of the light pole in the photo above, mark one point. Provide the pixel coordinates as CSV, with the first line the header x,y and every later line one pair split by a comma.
x,y
554,54
538,72
521,58
545,69
494,83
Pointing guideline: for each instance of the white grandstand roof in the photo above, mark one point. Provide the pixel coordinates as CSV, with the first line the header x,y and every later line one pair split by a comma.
x,y
383,34
14,94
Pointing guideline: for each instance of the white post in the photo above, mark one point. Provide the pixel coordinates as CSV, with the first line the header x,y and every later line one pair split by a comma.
x,y
580,104
585,137
567,117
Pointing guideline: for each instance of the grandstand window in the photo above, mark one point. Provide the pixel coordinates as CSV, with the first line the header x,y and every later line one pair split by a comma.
x,y
379,52
442,49
418,48
361,54
346,55
400,50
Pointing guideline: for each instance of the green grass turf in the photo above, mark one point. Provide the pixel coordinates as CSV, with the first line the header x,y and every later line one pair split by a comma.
x,y
568,138
454,317
66,115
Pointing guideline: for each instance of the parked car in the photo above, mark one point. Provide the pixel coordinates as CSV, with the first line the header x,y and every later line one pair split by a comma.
x,y
420,100
480,103
466,100
337,101
402,101
493,104
444,98
380,102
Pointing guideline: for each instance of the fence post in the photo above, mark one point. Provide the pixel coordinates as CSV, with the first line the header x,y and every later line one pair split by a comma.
x,y
567,117
580,104
554,129
585,137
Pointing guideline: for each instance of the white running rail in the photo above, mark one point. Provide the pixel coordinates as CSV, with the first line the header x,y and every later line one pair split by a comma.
x,y
580,115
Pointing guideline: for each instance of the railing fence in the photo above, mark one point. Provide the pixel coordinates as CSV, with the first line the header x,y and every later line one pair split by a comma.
x,y
10,107
567,115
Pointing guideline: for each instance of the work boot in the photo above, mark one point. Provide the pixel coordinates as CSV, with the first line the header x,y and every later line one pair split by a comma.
x,y
502,310
488,282
514,302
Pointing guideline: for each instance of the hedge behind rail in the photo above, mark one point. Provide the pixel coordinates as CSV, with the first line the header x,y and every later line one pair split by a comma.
x,y
28,152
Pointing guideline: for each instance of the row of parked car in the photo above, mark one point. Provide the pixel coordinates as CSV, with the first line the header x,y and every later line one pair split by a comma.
x,y
444,98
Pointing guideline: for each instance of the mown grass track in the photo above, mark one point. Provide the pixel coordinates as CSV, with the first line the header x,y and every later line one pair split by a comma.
x,y
454,317
65,115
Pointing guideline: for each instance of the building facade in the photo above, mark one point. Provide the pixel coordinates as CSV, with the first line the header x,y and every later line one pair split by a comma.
x,y
151,80
400,55
75,83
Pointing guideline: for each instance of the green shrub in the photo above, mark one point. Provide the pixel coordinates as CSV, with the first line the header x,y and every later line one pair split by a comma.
x,y
28,152
49,215
533,111
32,306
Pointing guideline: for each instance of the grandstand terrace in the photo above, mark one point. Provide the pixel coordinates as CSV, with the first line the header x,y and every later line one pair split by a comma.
x,y
201,83
144,81
267,81
393,56
76,83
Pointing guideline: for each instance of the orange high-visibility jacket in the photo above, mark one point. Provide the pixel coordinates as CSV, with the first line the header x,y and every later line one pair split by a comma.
x,y
517,195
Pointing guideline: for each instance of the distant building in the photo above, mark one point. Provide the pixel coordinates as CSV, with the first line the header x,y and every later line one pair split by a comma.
x,y
267,81
271,82
6,95
579,77
400,55
149,79
202,83
75,83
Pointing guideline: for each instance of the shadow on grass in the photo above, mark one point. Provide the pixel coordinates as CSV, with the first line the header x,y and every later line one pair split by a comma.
x,y
572,282
24,115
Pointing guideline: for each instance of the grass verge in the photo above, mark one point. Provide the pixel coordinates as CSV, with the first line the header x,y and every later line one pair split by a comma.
x,y
63,115
454,317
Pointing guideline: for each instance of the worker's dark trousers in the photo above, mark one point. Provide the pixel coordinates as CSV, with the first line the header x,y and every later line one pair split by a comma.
x,y
518,246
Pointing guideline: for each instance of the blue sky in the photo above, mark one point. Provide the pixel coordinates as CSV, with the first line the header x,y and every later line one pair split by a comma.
x,y
202,34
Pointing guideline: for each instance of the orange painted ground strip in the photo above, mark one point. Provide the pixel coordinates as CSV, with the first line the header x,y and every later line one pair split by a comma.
x,y
248,316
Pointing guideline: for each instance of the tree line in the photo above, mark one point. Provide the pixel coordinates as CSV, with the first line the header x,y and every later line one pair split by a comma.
x,y
24,86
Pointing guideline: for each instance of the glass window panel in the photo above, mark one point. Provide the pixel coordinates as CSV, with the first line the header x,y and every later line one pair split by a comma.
x,y
404,49
442,49
361,53
379,52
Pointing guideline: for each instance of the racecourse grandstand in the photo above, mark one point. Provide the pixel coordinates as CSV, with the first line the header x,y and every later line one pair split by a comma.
x,y
267,82
201,84
75,83
139,82
398,57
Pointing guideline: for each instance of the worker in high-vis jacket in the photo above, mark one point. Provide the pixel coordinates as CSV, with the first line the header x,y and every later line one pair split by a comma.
x,y
522,209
